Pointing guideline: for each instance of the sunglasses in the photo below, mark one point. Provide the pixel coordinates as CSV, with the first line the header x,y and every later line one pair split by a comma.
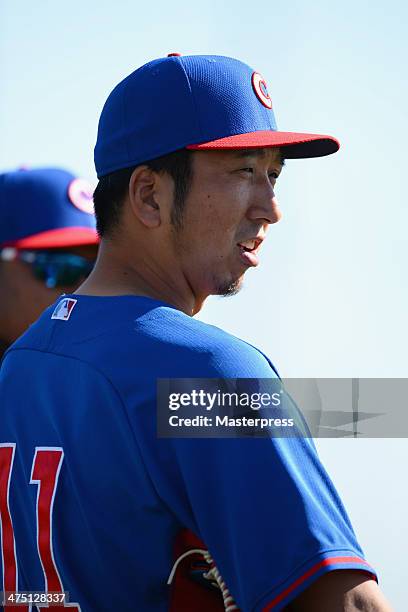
x,y
55,269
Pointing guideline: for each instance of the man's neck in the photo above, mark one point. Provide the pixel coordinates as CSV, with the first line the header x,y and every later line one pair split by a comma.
x,y
114,275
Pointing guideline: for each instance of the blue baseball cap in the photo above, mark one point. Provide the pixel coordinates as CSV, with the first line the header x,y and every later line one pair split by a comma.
x,y
45,208
201,102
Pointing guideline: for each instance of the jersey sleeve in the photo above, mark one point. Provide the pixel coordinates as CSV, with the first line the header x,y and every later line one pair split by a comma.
x,y
268,513
265,507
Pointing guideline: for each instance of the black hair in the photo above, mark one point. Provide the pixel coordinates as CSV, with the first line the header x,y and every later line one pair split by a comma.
x,y
112,189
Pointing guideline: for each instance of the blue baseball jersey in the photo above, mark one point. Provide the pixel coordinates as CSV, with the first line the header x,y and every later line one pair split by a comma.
x,y
93,503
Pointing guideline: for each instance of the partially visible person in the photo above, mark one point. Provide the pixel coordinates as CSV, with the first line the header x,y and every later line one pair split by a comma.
x,y
48,243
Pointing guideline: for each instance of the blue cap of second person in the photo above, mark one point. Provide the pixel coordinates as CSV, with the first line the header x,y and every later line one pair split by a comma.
x,y
194,102
46,208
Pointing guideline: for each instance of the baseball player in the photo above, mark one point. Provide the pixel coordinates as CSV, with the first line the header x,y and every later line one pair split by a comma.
x,y
48,243
93,503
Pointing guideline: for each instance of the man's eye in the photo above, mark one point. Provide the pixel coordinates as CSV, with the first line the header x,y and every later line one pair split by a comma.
x,y
247,170
274,175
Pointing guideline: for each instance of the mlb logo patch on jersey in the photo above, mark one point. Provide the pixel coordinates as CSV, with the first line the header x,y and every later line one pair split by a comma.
x,y
63,309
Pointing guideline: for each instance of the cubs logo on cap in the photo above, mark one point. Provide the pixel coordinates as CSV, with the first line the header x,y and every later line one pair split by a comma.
x,y
63,309
80,192
261,90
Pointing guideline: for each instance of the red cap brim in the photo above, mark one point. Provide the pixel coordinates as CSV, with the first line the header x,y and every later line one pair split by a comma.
x,y
295,145
58,238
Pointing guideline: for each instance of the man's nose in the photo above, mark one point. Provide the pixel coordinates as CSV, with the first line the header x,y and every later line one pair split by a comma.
x,y
266,207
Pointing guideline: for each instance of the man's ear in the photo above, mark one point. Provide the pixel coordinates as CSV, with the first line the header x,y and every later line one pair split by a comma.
x,y
143,187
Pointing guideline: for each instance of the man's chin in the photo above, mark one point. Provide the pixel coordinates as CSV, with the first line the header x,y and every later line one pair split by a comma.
x,y
230,288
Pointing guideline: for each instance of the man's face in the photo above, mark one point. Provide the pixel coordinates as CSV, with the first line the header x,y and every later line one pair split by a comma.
x,y
24,296
228,210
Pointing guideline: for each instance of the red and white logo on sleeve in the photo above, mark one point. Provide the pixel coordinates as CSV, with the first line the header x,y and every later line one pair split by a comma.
x,y
261,90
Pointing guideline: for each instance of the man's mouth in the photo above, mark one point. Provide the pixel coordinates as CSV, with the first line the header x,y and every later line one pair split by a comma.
x,y
249,250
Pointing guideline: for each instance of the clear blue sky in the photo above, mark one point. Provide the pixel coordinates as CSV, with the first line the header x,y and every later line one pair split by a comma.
x,y
330,297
